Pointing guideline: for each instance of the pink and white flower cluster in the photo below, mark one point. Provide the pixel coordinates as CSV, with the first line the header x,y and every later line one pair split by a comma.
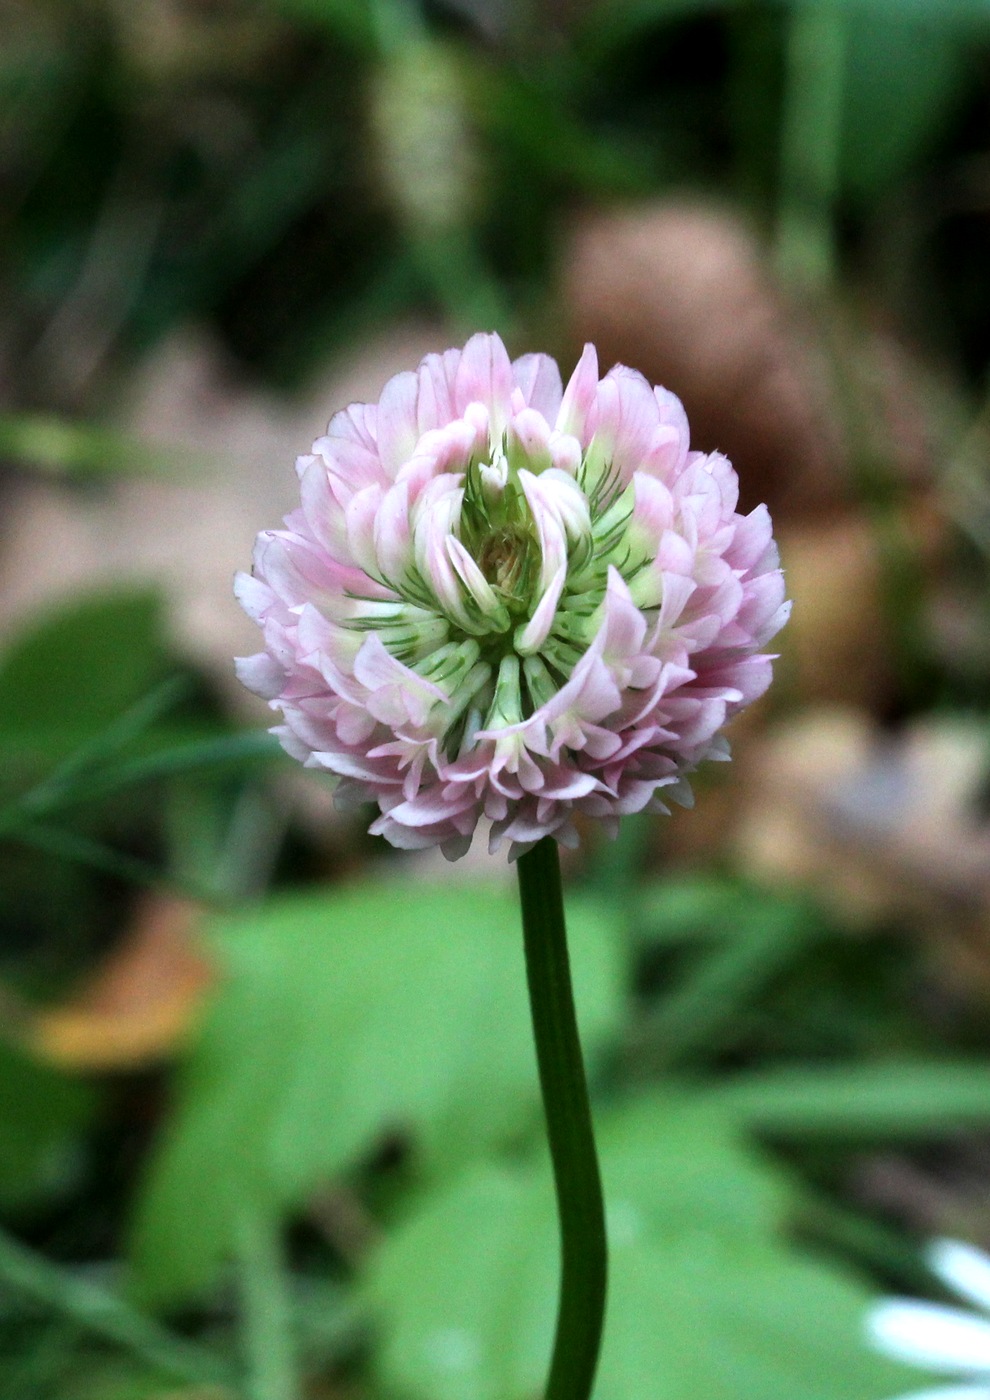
x,y
502,598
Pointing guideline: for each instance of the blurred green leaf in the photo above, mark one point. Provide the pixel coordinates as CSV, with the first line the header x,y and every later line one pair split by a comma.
x,y
222,836
41,1115
696,1315
354,21
755,935
953,11
704,1298
83,722
534,121
75,672
465,1291
107,1379
686,908
61,448
339,1019
903,76
95,771
73,778
682,1164
74,1296
898,1100
616,21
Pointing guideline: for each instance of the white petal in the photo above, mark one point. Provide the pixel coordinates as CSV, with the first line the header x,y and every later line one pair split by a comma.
x,y
925,1334
472,577
528,439
965,1269
950,1392
539,379
260,673
391,535
550,527
579,395
530,638
359,517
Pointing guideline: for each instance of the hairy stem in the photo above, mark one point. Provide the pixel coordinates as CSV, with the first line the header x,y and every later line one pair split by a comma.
x,y
581,1310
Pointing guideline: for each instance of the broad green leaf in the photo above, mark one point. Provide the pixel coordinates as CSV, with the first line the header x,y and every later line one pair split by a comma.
x,y
705,1298
729,1320
901,1100
41,1115
676,1163
465,1292
342,1018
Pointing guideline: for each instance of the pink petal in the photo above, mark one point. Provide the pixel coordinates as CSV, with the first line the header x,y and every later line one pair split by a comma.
x,y
435,399
625,421
357,424
484,375
472,577
323,511
579,396
674,435
539,379
396,694
360,517
398,432
752,549
392,539
430,807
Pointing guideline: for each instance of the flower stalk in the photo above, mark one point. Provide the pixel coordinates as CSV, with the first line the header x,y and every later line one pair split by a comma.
x,y
581,1310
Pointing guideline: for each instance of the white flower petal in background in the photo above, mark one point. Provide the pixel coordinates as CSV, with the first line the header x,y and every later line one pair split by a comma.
x,y
940,1338
924,1334
963,1268
950,1392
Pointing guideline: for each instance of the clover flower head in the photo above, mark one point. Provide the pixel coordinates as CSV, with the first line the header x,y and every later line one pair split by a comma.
x,y
943,1339
504,598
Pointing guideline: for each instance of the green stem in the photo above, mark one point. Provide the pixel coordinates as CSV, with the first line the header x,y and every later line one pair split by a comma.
x,y
581,1311
266,1310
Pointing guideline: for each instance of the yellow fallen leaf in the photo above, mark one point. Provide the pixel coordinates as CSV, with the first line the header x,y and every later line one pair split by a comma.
x,y
140,1004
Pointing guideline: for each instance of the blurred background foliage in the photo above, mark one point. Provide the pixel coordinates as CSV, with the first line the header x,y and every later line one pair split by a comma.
x,y
269,1121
